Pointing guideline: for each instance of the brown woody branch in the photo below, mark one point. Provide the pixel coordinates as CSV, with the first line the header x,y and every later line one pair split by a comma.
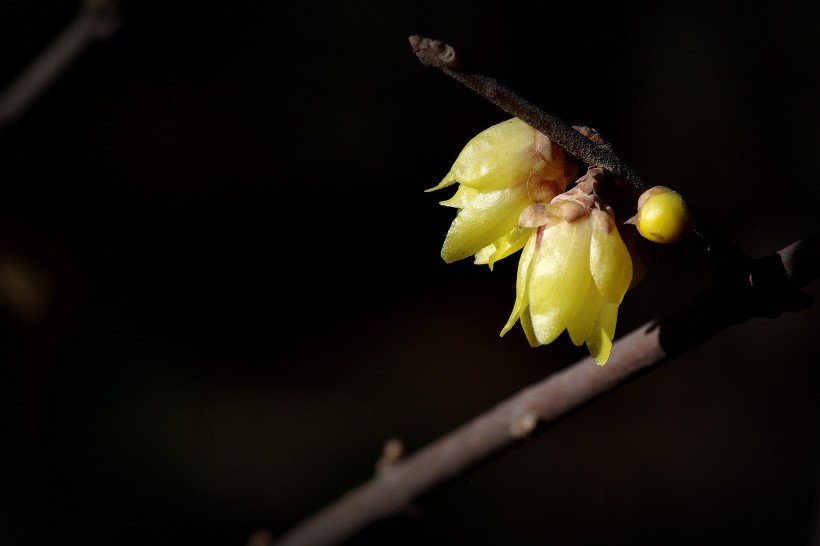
x,y
97,19
744,288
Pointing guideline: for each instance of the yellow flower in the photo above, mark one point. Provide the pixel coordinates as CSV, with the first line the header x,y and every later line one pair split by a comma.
x,y
573,274
574,268
500,172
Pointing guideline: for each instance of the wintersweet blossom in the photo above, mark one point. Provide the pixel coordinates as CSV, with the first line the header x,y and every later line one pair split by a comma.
x,y
500,172
574,271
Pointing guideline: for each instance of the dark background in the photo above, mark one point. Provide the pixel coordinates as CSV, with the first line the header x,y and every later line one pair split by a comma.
x,y
221,293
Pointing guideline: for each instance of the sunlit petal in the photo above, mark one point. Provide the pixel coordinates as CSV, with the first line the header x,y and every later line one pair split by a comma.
x,y
526,325
559,278
484,218
581,325
498,157
610,262
504,246
521,284
600,342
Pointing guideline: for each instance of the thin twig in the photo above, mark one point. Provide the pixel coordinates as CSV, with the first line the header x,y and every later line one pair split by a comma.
x,y
437,54
744,289
593,152
96,20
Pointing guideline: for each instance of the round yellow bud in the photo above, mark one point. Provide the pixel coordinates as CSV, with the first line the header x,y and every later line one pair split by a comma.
x,y
663,216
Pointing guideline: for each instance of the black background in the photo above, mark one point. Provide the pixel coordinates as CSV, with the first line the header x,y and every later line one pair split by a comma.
x,y
221,291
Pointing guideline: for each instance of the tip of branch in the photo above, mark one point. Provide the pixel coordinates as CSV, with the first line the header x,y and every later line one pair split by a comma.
x,y
434,52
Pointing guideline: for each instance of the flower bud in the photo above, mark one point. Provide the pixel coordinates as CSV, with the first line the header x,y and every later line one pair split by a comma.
x,y
663,216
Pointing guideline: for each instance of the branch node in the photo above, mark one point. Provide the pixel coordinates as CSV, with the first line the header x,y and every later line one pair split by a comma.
x,y
523,425
392,452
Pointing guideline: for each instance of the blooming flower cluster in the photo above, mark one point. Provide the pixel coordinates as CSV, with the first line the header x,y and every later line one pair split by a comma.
x,y
574,267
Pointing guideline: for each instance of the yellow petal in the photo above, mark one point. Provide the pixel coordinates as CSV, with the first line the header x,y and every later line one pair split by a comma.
x,y
499,157
462,198
482,257
448,180
482,219
526,325
609,261
581,325
504,246
559,278
600,342
521,284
